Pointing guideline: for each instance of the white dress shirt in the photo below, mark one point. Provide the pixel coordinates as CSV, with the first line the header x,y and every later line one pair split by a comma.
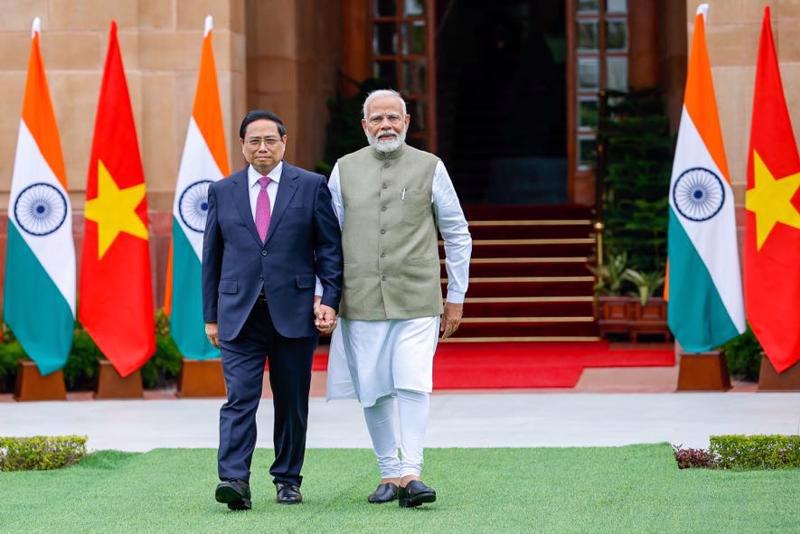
x,y
254,187
272,189
449,220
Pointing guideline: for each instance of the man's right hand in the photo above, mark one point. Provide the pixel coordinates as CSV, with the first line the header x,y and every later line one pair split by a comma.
x,y
212,333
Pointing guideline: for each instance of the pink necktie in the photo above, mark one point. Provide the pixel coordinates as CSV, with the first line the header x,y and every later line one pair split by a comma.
x,y
262,208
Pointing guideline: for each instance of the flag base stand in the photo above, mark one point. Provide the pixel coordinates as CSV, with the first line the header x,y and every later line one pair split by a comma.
x,y
201,378
32,386
770,380
704,371
110,385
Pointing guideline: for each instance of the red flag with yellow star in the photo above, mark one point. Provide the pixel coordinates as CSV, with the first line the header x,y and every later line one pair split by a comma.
x,y
115,303
772,220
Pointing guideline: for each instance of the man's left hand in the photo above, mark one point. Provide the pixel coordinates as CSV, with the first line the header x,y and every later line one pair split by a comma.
x,y
324,317
451,318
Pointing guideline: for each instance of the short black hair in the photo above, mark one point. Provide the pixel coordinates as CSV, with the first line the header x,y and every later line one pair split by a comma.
x,y
260,114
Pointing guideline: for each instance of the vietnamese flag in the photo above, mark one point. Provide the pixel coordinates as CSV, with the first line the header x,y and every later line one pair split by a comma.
x,y
772,223
115,302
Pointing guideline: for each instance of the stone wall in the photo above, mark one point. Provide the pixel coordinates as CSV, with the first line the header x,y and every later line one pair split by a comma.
x,y
293,56
277,54
733,28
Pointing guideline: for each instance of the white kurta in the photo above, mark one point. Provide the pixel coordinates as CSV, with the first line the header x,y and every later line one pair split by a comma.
x,y
371,359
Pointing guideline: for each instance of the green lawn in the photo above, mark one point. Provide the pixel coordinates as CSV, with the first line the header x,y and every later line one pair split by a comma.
x,y
626,489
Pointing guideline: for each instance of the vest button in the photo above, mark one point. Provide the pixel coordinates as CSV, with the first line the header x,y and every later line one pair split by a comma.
x,y
383,254
386,186
383,278
383,208
383,231
263,252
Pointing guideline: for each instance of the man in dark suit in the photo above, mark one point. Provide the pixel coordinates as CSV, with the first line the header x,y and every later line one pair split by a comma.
x,y
271,237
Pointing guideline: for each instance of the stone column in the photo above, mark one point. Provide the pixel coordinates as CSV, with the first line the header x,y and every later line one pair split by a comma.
x,y
643,28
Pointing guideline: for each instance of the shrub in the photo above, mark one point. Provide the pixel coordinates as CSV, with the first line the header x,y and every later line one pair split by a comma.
x,y
756,452
40,452
743,354
163,368
10,354
80,371
688,457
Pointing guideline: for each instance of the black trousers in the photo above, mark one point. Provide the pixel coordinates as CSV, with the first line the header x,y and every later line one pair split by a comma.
x,y
243,362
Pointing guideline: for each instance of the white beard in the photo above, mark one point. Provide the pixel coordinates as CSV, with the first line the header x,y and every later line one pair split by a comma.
x,y
387,146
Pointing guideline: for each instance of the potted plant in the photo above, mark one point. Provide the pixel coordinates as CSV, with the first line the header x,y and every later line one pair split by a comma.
x,y
613,310
650,313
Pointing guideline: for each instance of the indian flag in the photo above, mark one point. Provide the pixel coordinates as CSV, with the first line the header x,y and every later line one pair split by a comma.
x,y
204,161
705,288
39,304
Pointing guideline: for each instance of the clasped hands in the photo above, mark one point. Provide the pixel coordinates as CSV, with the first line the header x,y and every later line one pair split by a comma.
x,y
324,316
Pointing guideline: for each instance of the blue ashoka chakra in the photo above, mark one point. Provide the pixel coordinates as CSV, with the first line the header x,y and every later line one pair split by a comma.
x,y
40,209
698,194
193,205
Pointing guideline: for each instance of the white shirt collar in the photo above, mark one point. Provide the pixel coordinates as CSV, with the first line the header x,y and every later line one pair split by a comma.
x,y
275,174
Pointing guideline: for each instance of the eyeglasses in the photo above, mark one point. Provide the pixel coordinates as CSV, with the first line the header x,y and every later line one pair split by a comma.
x,y
255,142
393,118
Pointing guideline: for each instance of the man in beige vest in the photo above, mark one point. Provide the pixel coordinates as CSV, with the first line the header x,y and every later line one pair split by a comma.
x,y
390,200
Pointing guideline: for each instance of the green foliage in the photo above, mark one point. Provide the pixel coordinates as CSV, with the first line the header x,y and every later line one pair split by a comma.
x,y
163,368
80,371
344,134
40,453
639,151
756,452
743,355
10,354
614,278
646,283
611,275
82,367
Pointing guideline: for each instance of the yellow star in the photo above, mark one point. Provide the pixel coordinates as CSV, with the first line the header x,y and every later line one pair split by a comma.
x,y
113,209
771,200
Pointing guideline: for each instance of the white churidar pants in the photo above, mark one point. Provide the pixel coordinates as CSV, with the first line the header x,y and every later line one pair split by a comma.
x,y
413,408
376,362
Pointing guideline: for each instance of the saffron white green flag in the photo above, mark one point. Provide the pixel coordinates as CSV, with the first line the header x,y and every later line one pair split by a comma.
x,y
204,161
39,289
704,282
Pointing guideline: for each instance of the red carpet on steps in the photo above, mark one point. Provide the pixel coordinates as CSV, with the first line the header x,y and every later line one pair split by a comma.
x,y
526,365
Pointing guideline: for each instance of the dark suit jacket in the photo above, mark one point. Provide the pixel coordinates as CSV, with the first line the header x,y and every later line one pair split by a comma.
x,y
303,240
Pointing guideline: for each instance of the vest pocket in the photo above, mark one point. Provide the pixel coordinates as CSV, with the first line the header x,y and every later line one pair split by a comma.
x,y
416,206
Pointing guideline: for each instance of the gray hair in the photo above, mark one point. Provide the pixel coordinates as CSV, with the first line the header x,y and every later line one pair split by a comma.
x,y
380,93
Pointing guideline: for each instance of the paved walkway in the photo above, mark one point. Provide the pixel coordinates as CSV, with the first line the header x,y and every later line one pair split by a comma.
x,y
535,419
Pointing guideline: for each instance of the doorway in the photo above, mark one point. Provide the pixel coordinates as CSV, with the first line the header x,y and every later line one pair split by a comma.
x,y
501,99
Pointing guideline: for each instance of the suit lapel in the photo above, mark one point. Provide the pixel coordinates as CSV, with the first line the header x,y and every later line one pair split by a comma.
x,y
286,190
242,201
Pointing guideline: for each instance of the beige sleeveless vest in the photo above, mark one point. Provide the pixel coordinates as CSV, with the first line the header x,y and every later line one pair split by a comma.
x,y
391,256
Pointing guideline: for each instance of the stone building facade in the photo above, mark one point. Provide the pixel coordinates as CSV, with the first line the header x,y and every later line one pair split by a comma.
x,y
291,56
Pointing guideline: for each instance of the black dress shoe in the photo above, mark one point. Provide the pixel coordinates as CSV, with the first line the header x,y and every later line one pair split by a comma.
x,y
288,493
234,493
383,493
416,493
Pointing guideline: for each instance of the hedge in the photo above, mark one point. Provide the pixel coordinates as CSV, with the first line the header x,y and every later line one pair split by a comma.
x,y
756,452
40,453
